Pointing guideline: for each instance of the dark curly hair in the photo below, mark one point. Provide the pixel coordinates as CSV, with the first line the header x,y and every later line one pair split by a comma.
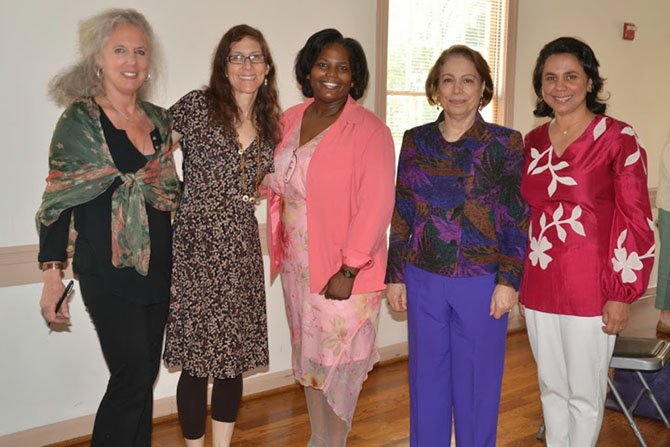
x,y
307,56
266,111
475,57
588,61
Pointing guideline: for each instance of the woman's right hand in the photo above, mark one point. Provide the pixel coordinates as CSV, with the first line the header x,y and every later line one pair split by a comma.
x,y
52,290
396,294
522,309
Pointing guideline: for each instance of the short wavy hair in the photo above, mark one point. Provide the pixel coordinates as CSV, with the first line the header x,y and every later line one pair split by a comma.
x,y
588,61
482,67
266,111
308,54
81,80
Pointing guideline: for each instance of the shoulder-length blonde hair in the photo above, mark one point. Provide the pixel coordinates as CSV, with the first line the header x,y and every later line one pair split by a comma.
x,y
83,79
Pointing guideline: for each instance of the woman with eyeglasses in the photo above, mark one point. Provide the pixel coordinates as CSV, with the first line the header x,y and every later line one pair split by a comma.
x,y
330,203
217,325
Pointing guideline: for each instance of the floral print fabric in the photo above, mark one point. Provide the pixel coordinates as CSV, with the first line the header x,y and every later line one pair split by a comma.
x,y
591,231
333,342
458,207
217,324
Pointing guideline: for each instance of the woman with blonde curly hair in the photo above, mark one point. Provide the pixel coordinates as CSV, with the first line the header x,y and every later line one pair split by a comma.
x,y
111,172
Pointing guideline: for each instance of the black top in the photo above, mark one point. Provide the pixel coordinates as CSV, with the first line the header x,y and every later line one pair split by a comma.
x,y
93,247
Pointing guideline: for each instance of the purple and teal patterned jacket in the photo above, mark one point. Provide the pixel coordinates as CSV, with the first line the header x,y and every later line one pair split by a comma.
x,y
458,206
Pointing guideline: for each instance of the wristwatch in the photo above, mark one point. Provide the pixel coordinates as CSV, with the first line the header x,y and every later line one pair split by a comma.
x,y
347,273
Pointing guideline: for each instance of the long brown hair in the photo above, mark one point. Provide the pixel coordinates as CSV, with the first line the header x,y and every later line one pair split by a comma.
x,y
266,111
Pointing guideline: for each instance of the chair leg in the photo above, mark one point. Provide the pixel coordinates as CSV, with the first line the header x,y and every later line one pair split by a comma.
x,y
626,413
653,399
540,432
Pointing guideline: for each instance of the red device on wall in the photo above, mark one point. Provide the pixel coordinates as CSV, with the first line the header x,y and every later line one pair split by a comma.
x,y
629,31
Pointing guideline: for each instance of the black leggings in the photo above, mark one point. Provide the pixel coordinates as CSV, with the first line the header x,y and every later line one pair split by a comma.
x,y
192,402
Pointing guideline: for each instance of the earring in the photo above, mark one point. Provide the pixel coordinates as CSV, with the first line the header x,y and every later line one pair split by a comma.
x,y
265,82
98,73
148,77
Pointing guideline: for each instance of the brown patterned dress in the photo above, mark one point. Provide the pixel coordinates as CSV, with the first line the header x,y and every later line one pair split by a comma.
x,y
217,324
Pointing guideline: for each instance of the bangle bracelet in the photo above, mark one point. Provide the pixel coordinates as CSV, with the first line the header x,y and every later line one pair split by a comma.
x,y
52,265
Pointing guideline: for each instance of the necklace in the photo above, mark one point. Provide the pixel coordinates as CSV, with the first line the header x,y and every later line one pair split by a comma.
x,y
142,147
564,132
253,198
126,117
575,125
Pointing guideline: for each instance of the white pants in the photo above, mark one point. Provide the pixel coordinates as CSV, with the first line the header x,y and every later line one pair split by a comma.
x,y
572,355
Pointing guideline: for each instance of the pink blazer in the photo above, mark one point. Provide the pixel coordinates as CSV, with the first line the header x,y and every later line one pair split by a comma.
x,y
350,196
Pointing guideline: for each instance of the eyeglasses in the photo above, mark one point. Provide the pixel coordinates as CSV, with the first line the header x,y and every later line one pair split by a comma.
x,y
291,167
239,59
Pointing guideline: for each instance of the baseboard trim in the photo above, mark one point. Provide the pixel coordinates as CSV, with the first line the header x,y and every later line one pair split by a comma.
x,y
61,434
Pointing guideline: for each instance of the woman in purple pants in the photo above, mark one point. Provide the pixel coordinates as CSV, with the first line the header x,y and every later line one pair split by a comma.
x,y
458,237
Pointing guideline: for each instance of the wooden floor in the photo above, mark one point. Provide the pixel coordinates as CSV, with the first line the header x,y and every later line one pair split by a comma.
x,y
382,417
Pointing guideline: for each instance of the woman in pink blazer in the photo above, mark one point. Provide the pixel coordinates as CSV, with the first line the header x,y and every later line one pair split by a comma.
x,y
330,203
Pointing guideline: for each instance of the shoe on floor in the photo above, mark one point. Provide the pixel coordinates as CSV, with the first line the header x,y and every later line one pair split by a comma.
x,y
663,328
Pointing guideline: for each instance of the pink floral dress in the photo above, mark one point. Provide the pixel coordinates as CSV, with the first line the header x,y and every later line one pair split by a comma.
x,y
333,342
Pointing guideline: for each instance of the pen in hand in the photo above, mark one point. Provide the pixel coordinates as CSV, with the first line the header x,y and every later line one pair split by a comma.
x,y
66,293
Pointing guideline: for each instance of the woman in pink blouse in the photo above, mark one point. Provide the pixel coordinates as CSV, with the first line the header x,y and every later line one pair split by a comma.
x,y
330,202
591,239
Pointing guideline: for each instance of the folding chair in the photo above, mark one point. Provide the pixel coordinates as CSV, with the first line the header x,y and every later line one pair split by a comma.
x,y
639,355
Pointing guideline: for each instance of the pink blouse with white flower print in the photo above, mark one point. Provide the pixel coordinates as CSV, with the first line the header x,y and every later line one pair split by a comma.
x,y
591,236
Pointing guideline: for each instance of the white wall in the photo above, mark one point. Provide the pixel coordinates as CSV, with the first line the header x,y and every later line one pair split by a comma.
x,y
45,377
637,71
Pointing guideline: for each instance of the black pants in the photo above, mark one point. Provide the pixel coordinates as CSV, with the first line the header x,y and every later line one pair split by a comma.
x,y
131,338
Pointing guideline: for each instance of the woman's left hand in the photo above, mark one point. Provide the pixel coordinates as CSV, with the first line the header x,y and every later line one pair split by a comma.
x,y
503,300
338,287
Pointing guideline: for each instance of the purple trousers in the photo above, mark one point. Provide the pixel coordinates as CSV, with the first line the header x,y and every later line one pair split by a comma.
x,y
456,359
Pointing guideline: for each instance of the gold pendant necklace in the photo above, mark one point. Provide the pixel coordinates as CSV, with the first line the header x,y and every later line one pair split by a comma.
x,y
253,198
576,125
126,117
142,149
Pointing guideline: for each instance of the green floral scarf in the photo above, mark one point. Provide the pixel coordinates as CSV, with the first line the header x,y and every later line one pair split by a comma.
x,y
81,168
